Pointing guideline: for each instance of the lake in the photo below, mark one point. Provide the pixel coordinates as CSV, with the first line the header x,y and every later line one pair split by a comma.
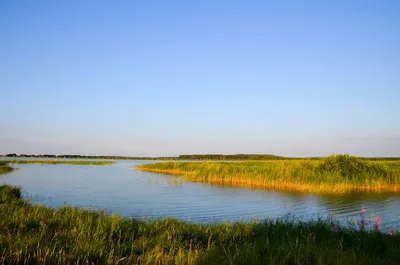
x,y
118,189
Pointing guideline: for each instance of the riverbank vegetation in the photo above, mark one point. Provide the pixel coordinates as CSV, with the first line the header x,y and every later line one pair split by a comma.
x,y
32,234
4,168
58,162
333,174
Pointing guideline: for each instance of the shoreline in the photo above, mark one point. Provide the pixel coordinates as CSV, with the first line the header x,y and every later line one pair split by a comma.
x,y
71,235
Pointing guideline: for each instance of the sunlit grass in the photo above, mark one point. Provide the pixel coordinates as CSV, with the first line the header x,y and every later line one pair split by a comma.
x,y
334,174
59,162
39,235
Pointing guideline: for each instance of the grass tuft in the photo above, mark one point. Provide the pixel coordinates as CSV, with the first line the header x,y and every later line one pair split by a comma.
x,y
351,167
4,168
9,193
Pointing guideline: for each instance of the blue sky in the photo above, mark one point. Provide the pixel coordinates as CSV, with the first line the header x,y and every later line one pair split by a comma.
x,y
295,78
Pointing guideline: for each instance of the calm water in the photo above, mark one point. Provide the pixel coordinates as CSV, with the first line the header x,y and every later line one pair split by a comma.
x,y
118,189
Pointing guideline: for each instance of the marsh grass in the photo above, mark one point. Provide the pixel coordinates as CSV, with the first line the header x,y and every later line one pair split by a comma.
x,y
333,174
38,235
4,168
59,162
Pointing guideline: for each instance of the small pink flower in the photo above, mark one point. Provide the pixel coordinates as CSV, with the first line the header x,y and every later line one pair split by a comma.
x,y
377,223
390,233
363,210
169,236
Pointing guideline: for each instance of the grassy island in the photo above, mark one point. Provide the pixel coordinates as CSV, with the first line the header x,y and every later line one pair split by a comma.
x,y
333,174
32,234
59,162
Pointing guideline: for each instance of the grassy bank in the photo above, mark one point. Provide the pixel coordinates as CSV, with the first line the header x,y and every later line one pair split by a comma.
x,y
4,168
336,174
39,235
58,162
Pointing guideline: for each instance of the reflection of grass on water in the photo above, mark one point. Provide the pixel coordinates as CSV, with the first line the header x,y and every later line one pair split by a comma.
x,y
58,162
334,174
37,235
175,182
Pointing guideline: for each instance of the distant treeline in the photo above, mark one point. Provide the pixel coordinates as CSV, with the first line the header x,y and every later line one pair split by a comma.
x,y
193,157
264,157
181,157
232,157
91,157
381,158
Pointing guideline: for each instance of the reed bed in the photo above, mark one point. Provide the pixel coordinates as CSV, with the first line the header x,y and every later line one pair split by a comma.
x,y
32,234
59,162
333,174
4,168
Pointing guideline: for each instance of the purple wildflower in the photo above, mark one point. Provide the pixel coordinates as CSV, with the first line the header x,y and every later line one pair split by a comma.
x,y
362,222
377,223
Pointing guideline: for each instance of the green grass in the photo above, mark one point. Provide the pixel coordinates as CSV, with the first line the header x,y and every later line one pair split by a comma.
x,y
4,168
38,235
333,174
58,162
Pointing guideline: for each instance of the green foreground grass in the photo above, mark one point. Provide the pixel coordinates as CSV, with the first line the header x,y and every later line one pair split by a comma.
x,y
333,174
59,162
38,235
4,168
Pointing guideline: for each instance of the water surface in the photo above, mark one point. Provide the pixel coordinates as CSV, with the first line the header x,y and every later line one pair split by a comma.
x,y
118,189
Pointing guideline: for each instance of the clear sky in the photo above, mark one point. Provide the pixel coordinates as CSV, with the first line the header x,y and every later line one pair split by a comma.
x,y
294,78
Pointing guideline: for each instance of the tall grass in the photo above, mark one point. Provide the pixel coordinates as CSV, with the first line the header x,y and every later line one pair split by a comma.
x,y
58,162
4,168
336,174
39,235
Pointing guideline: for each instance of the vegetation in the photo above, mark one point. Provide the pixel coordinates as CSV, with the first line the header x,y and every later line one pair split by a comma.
x,y
336,173
57,162
38,235
231,157
89,157
4,168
